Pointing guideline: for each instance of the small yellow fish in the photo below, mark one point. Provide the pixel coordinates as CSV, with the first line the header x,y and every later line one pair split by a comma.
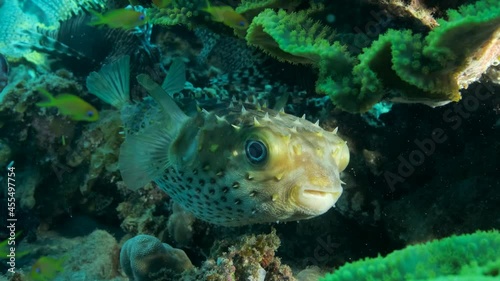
x,y
46,268
162,3
70,105
120,18
227,15
7,244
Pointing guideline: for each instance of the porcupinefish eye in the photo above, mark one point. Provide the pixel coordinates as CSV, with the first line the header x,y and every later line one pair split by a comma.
x,y
256,151
142,17
90,113
241,23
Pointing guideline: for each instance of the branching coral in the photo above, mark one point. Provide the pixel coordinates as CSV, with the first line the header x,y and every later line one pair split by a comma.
x,y
464,257
171,16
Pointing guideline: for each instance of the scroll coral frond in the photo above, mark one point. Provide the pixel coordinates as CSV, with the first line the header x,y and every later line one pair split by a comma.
x,y
293,37
421,69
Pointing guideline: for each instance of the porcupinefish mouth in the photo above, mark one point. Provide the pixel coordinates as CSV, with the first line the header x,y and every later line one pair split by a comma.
x,y
316,193
318,200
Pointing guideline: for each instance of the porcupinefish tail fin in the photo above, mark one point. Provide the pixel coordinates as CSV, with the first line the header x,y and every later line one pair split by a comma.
x,y
112,83
144,156
174,116
176,77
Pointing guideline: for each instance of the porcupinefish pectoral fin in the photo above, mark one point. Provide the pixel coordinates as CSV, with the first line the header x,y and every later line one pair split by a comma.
x,y
145,155
112,83
176,77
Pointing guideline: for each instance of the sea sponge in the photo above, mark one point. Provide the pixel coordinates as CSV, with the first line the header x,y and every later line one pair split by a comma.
x,y
144,258
462,257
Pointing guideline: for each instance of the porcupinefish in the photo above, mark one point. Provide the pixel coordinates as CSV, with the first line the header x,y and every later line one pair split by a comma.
x,y
235,166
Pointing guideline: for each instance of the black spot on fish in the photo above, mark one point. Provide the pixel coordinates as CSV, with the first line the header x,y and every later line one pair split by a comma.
x,y
240,211
201,182
206,196
225,189
211,191
237,201
198,190
216,203
229,208
253,193
195,172
223,199
190,180
236,184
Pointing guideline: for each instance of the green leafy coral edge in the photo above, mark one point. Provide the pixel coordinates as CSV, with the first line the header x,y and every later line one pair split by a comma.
x,y
464,257
415,67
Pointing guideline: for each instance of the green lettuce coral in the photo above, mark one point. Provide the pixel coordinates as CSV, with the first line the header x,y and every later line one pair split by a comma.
x,y
293,37
463,257
399,65
416,68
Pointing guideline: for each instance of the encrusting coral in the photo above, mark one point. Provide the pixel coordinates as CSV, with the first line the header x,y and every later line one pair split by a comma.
x,y
463,257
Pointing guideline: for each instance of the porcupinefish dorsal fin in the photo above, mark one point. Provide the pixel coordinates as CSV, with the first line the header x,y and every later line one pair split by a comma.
x,y
176,77
111,84
281,102
145,155
174,115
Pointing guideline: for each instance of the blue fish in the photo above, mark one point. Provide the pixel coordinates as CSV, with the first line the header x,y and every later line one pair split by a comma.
x,y
4,72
